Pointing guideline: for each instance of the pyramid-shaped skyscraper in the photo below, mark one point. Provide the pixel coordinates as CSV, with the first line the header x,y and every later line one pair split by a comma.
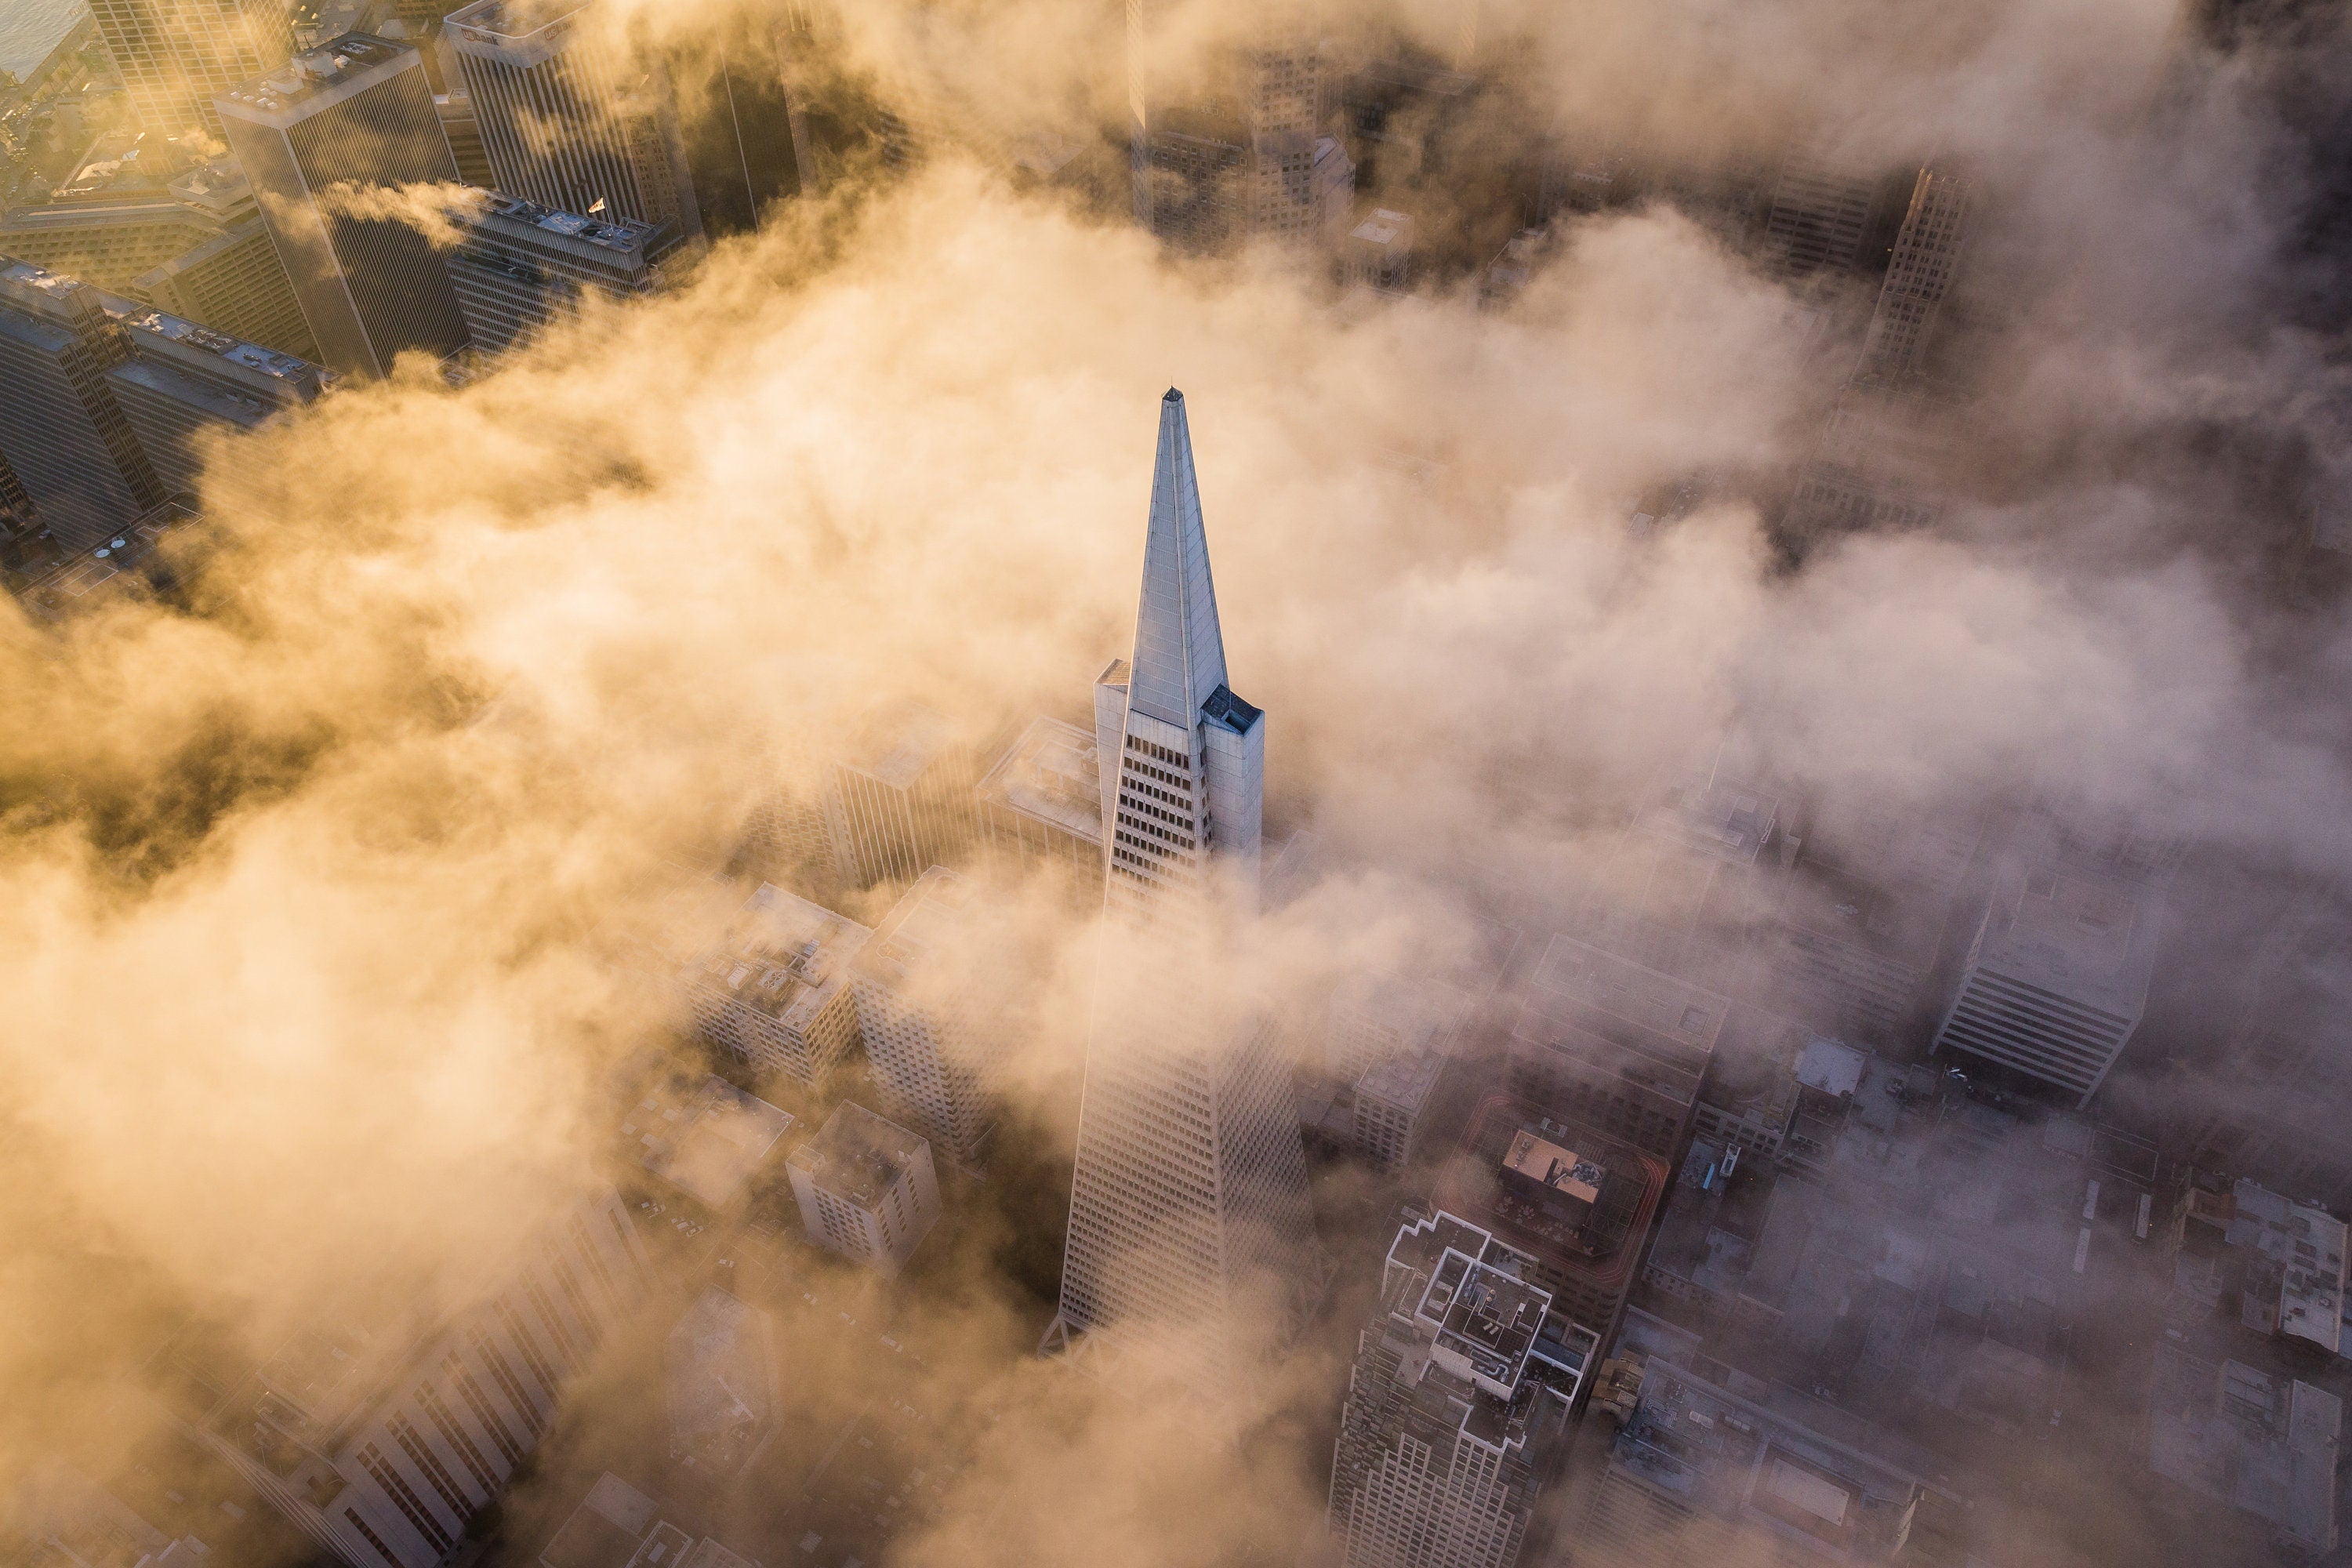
x,y
1189,1206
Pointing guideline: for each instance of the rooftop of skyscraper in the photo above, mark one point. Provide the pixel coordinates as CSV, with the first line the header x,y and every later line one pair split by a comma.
x,y
1050,773
619,235
780,956
1648,1028
1490,1331
858,1155
317,72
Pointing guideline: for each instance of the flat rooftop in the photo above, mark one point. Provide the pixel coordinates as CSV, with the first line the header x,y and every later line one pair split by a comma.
x,y
2067,925
782,956
1649,1028
1725,818
349,62
1051,774
621,236
902,741
934,916
706,1144
857,1155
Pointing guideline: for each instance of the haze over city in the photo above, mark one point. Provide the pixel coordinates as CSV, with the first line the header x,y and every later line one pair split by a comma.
x,y
1353,781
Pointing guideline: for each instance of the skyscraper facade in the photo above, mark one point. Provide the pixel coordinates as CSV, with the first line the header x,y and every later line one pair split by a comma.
x,y
1189,1202
104,403
1919,276
567,120
383,1444
1458,1405
520,266
934,991
74,453
176,57
315,139
1245,155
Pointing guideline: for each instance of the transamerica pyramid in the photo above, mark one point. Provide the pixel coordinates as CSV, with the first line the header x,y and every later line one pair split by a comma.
x,y
1188,1216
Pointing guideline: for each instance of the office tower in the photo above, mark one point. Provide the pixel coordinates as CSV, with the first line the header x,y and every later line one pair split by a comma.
x,y
936,990
234,284
519,266
383,1437
719,1367
1612,1043
866,1188
1248,159
463,131
196,248
1379,253
1187,1205
316,139
176,57
1820,214
1041,806
902,800
1919,277
774,989
1698,1475
2057,975
1457,1407
707,1140
108,238
183,382
75,455
1385,1038
567,120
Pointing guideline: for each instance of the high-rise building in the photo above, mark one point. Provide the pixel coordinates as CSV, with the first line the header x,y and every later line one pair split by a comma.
x,y
567,120
1607,1041
1188,1201
176,57
2057,976
1821,213
1919,277
234,284
901,802
384,1443
1251,157
519,266
1457,1407
74,452
183,382
104,402
316,139
935,991
774,988
866,1188
1041,805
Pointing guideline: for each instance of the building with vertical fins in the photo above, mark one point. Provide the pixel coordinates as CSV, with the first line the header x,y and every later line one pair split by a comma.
x,y
176,57
316,139
1458,1405
74,452
1251,159
382,1438
1919,277
936,991
1188,1207
105,403
520,266
567,120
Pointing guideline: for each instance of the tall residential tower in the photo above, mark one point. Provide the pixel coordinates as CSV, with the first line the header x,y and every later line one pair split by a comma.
x,y
1189,1204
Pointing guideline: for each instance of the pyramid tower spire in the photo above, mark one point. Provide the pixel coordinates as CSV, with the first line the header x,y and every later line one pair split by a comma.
x,y
1180,650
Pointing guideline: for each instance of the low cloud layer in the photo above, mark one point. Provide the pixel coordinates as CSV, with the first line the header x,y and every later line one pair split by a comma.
x,y
310,882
